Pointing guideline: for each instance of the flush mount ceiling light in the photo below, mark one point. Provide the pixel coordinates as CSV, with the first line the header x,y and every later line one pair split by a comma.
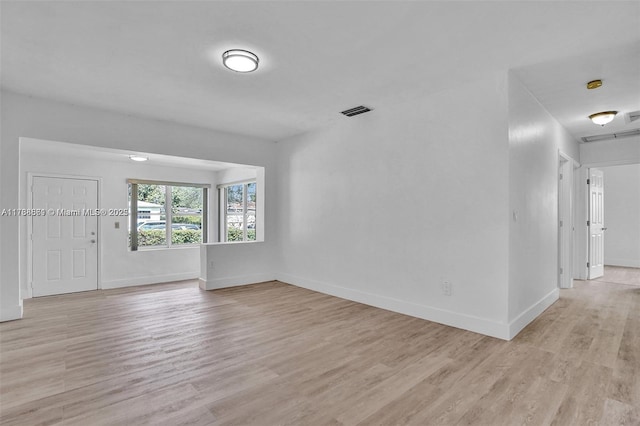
x,y
603,118
594,84
240,60
138,158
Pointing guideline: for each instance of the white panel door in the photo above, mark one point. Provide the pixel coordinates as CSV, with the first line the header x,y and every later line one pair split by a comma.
x,y
565,231
596,223
64,241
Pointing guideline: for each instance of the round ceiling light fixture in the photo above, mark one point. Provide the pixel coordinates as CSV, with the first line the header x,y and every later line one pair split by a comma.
x,y
602,118
594,84
239,60
138,158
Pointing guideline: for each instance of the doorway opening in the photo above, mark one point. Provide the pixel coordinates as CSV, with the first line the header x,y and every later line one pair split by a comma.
x,y
595,223
566,168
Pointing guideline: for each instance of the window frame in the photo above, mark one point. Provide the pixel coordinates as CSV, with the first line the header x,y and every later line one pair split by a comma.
x,y
222,217
133,213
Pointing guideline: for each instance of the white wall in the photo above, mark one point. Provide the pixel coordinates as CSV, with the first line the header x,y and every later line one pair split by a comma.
x,y
609,153
534,140
622,215
235,175
382,207
24,116
118,265
225,264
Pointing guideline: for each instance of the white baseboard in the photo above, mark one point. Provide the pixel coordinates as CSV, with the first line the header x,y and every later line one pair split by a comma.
x,y
522,320
130,282
629,263
236,281
10,313
453,319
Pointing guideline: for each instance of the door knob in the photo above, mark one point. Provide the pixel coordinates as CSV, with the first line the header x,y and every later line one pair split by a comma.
x,y
93,241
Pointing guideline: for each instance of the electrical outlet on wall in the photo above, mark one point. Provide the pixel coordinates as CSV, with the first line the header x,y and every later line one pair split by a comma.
x,y
211,264
446,288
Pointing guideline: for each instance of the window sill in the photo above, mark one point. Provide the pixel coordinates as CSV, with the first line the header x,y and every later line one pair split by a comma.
x,y
232,242
158,248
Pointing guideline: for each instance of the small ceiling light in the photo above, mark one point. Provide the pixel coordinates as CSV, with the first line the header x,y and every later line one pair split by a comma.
x,y
138,158
603,118
240,60
594,84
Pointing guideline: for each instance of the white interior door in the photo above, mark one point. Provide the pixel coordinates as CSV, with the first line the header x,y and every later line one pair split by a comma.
x,y
565,224
64,241
596,223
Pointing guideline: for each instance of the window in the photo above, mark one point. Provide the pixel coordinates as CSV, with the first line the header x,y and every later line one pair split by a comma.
x,y
238,215
166,214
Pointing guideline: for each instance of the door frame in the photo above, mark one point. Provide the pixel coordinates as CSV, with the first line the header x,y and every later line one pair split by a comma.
x,y
590,247
566,219
581,252
30,177
582,212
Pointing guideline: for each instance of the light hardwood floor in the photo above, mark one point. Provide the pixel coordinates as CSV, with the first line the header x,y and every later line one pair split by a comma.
x,y
620,275
271,353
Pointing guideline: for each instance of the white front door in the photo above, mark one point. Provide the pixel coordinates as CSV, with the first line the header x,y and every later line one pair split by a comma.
x,y
596,223
64,241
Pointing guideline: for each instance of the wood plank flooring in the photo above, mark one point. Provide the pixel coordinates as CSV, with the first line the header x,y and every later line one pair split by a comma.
x,y
620,275
274,354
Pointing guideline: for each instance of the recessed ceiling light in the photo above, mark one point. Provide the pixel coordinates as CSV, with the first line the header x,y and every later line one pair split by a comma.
x,y
603,118
240,60
138,158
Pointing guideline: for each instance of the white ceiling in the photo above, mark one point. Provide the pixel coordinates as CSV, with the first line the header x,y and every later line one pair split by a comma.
x,y
561,87
85,152
162,59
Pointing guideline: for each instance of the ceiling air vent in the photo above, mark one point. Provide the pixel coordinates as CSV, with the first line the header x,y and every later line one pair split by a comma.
x,y
355,111
618,135
632,116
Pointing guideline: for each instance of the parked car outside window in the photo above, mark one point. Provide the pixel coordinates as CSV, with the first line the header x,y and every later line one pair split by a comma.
x,y
161,224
